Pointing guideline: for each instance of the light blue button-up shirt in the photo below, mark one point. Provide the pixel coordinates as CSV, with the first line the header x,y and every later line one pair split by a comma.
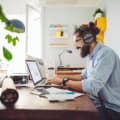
x,y
103,75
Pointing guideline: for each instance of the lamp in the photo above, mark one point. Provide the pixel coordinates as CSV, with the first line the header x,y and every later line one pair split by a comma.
x,y
59,56
18,25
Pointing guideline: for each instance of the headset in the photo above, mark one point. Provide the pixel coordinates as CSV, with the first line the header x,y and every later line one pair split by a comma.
x,y
87,35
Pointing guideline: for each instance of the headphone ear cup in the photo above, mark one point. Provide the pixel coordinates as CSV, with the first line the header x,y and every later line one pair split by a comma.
x,y
88,37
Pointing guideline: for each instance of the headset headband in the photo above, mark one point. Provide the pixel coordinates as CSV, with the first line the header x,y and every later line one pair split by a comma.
x,y
87,35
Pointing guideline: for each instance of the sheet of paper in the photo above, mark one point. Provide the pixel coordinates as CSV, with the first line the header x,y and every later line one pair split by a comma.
x,y
57,94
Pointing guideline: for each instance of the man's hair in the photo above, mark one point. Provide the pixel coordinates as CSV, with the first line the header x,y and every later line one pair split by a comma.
x,y
90,27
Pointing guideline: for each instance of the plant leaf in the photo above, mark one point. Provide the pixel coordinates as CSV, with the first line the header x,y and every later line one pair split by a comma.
x,y
9,38
17,31
7,54
14,42
10,28
2,16
16,38
99,10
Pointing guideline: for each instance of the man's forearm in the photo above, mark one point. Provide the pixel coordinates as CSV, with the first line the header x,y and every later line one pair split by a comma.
x,y
76,85
72,77
76,78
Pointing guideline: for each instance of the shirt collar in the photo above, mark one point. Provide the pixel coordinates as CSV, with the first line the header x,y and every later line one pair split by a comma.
x,y
96,49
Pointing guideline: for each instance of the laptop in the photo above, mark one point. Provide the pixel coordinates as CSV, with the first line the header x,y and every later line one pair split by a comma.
x,y
36,74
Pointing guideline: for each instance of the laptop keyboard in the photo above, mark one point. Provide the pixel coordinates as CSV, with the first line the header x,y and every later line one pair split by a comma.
x,y
43,82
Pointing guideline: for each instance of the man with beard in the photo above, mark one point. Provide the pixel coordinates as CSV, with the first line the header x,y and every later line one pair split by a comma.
x,y
101,78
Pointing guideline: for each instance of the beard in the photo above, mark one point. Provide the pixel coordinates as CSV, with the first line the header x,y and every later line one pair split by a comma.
x,y
85,50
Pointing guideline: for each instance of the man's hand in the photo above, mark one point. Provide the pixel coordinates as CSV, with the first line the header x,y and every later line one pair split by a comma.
x,y
76,85
55,80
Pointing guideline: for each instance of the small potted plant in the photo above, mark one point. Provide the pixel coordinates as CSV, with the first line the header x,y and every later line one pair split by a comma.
x,y
99,13
100,21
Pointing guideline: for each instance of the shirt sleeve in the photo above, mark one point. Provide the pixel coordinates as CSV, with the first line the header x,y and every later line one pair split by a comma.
x,y
100,74
84,73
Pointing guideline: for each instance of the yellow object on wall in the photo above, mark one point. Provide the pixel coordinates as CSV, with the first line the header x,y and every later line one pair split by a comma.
x,y
100,37
101,24
58,34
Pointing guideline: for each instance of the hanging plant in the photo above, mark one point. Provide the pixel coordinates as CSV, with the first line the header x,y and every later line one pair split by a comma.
x,y
12,26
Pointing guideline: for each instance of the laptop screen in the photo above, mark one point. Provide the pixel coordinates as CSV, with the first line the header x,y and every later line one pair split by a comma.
x,y
34,71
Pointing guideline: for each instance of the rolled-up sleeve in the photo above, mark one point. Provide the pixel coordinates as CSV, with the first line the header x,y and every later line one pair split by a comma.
x,y
84,73
100,74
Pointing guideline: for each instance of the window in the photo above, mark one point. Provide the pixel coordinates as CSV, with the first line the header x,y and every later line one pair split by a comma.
x,y
34,33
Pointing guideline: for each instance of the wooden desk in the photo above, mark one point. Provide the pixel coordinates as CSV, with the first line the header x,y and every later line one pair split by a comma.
x,y
69,71
33,107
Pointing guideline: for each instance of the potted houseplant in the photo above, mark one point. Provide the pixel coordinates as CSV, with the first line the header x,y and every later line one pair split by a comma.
x,y
98,13
100,21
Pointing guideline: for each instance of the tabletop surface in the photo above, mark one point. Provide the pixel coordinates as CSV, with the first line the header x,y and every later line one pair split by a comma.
x,y
27,100
34,107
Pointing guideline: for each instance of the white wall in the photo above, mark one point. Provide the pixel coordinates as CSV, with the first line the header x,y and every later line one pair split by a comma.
x,y
61,15
71,17
17,6
112,35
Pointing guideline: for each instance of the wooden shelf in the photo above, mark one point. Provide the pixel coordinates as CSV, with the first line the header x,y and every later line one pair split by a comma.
x,y
58,36
68,72
69,68
58,28
58,44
